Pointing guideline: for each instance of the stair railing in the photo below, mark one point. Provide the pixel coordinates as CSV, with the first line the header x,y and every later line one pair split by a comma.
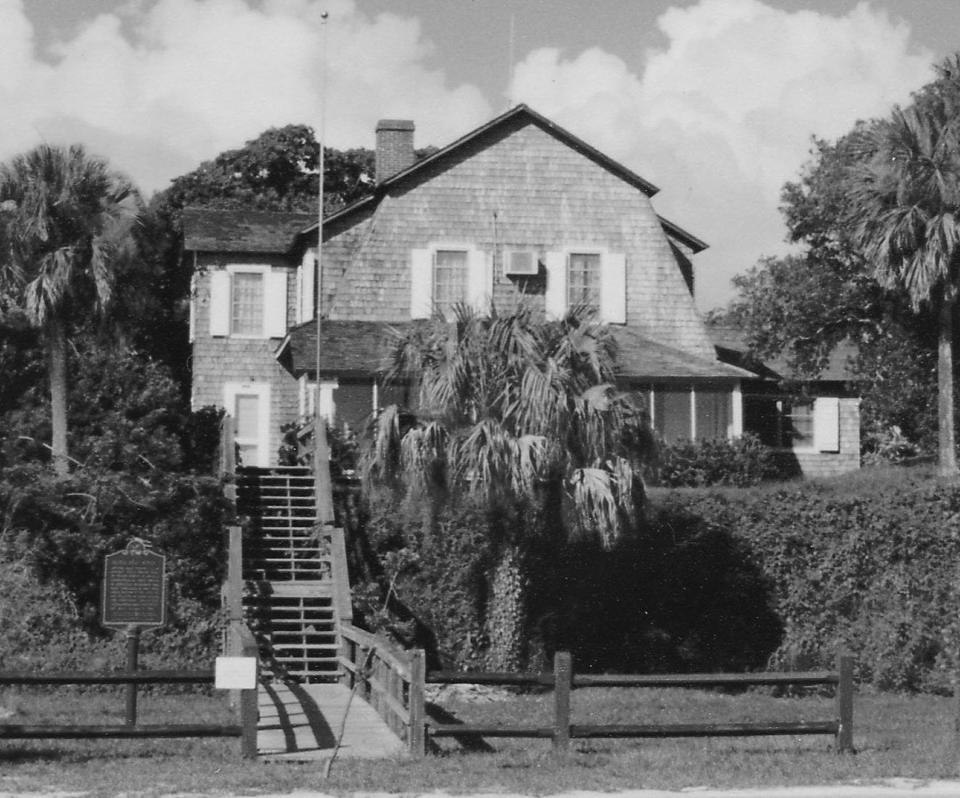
x,y
389,679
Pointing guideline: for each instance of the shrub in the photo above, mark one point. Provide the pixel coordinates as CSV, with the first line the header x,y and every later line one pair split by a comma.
x,y
866,564
741,463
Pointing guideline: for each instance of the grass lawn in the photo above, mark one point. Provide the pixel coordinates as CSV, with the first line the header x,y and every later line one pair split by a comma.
x,y
895,736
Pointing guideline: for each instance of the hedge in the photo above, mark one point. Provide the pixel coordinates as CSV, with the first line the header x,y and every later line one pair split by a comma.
x,y
870,564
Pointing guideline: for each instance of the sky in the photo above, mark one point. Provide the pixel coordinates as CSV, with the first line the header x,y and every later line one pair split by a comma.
x,y
714,101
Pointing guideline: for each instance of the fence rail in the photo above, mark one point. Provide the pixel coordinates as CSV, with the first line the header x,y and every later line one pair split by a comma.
x,y
246,730
563,680
390,680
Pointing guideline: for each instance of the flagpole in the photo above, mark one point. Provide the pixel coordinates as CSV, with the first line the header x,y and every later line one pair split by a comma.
x,y
324,487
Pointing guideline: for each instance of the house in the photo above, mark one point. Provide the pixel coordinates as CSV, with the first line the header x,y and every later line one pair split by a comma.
x,y
816,421
517,210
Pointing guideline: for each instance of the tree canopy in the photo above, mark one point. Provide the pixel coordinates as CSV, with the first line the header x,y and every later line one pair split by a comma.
x,y
65,228
846,283
523,416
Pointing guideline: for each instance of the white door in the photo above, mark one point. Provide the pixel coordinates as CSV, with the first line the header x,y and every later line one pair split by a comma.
x,y
249,405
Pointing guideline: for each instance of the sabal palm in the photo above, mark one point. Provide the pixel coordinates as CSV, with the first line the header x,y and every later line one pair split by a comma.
x,y
65,220
512,410
907,218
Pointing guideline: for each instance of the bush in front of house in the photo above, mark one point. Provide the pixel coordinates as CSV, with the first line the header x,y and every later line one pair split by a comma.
x,y
865,564
686,600
58,531
740,463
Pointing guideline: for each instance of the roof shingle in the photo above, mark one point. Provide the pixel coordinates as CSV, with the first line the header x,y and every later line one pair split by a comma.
x,y
208,230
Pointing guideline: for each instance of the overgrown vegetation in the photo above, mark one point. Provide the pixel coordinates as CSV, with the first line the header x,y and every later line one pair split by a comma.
x,y
867,564
141,468
739,463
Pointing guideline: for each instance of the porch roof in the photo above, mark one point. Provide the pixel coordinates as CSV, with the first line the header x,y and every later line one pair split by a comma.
x,y
361,348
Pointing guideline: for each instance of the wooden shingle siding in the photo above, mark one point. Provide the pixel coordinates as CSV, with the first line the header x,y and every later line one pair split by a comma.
x,y
829,464
520,188
221,360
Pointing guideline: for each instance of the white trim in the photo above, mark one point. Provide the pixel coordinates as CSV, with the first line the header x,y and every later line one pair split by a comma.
x,y
231,390
421,283
193,305
220,303
826,424
555,298
328,403
275,304
306,286
613,288
736,411
221,300
693,413
479,280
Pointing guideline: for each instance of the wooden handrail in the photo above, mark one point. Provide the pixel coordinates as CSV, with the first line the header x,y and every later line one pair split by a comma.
x,y
389,679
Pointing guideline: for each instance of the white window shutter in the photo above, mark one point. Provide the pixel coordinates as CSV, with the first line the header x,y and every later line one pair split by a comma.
x,y
613,288
479,280
421,284
219,303
826,424
275,304
556,296
306,282
193,308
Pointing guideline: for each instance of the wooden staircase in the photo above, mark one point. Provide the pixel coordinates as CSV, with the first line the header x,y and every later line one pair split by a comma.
x,y
293,573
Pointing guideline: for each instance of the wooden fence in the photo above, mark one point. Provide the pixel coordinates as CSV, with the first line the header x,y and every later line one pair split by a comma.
x,y
393,682
390,680
563,680
246,730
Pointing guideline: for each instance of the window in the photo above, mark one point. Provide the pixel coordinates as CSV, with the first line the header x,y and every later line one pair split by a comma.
x,y
248,301
695,412
246,304
811,425
444,275
450,279
597,279
798,426
583,280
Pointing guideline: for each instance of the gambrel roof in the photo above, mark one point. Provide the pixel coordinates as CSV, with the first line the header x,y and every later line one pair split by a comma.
x,y
519,113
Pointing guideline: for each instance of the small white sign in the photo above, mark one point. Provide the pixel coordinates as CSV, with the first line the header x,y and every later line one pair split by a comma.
x,y
235,673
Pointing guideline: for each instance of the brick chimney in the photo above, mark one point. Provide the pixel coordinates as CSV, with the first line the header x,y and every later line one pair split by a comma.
x,y
394,147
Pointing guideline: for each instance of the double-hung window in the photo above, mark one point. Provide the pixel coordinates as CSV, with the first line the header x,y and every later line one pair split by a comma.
x,y
583,280
450,279
248,301
246,304
590,277
447,274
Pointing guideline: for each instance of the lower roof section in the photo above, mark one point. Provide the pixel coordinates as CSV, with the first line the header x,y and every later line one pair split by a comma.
x,y
362,349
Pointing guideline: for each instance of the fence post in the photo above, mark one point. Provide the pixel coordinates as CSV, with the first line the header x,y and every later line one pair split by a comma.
x,y
249,710
562,685
844,739
417,740
361,672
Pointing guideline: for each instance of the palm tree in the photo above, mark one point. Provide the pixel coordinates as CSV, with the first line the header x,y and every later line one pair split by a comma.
x,y
906,200
65,221
515,413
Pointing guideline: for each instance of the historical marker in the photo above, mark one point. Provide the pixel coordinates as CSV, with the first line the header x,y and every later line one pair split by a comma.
x,y
134,587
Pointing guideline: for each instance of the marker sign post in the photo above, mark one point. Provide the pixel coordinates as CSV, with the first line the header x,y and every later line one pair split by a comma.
x,y
134,598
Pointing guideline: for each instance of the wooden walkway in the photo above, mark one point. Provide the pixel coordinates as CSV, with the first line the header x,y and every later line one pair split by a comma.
x,y
301,721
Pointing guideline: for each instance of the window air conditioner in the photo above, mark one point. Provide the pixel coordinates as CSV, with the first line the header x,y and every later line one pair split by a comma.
x,y
523,263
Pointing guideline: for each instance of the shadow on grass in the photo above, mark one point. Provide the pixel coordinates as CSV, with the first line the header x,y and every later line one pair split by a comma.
x,y
468,742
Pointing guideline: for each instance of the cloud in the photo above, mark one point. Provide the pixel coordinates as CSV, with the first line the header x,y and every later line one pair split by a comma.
x,y
158,87
722,115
